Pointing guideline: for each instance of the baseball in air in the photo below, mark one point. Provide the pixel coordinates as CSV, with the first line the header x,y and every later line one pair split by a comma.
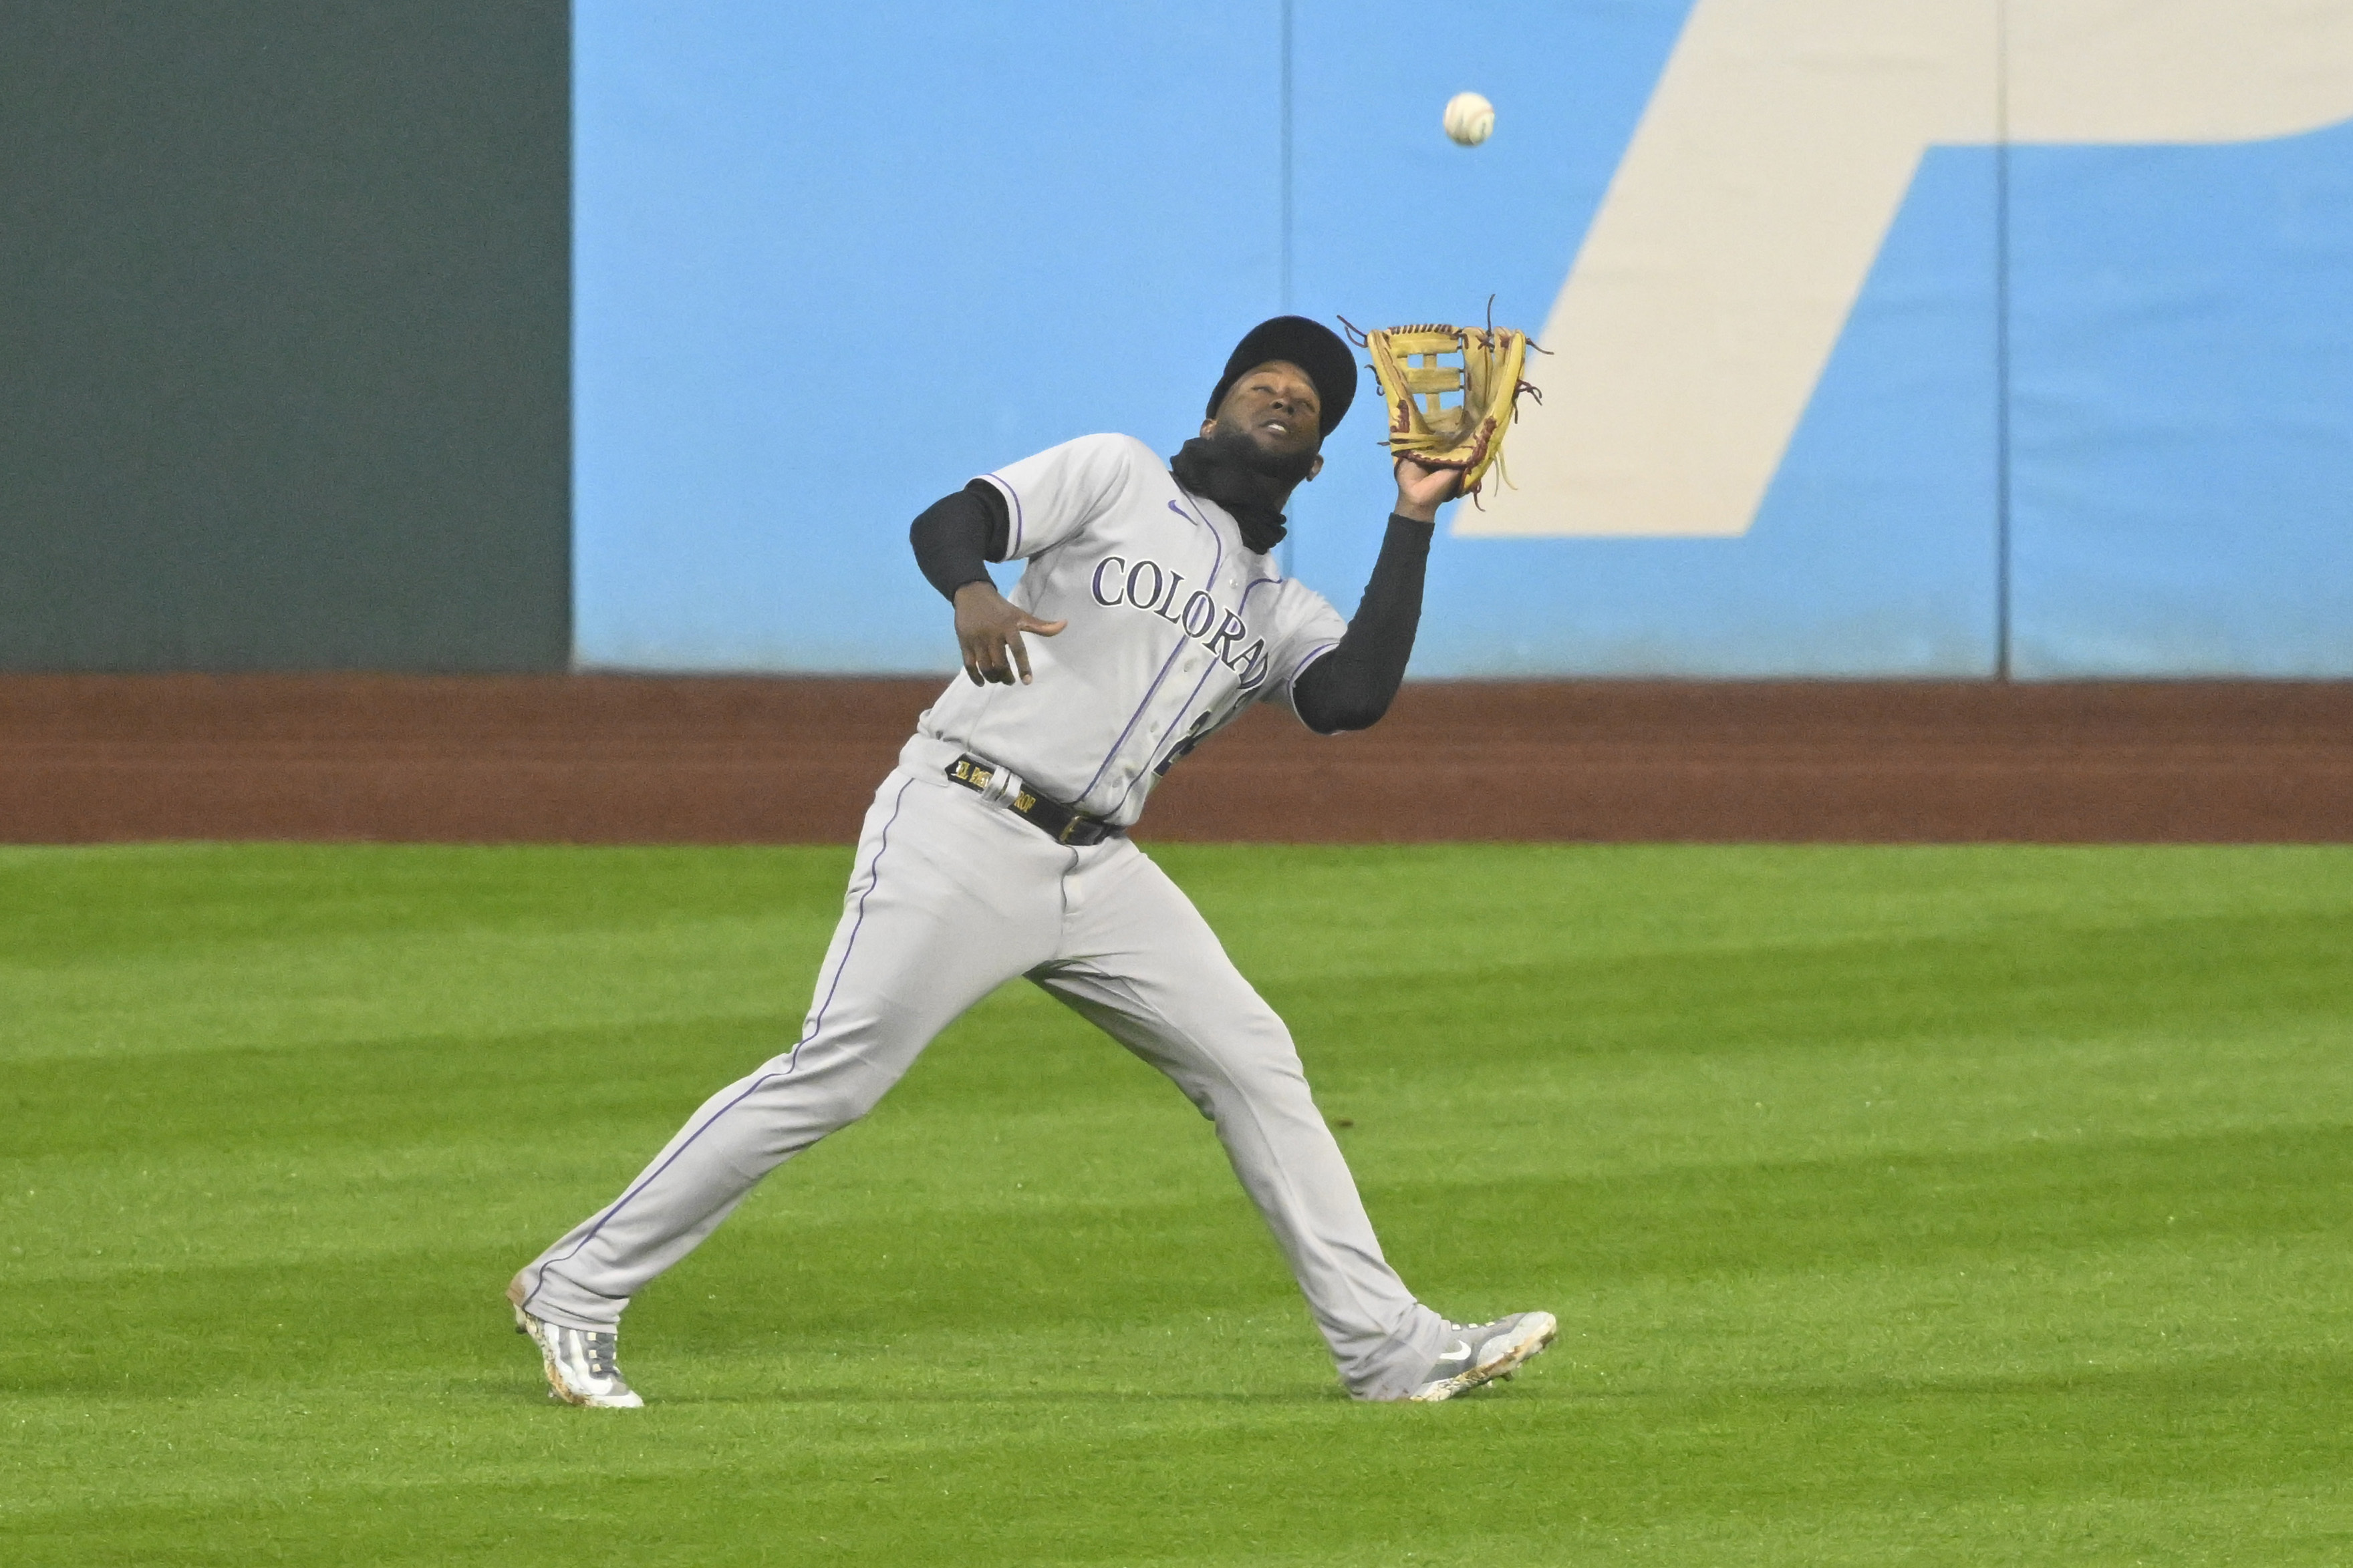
x,y
1470,118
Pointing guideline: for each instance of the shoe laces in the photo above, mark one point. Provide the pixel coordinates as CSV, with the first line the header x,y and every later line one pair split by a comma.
x,y
597,1349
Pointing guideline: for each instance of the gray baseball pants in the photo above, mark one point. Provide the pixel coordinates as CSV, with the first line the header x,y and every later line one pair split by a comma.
x,y
951,896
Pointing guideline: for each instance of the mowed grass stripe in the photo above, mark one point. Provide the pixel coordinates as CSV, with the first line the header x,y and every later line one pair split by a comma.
x,y
1063,1261
1934,1206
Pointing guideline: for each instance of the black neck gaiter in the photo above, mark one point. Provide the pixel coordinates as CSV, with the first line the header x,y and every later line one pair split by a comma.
x,y
1229,469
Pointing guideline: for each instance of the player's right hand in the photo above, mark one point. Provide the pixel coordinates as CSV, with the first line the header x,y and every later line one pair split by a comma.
x,y
989,632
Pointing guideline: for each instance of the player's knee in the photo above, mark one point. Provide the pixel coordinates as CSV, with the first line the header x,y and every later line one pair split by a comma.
x,y
824,1105
1259,1079
851,1102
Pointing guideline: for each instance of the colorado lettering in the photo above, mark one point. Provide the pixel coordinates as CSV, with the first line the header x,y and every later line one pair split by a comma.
x,y
1147,585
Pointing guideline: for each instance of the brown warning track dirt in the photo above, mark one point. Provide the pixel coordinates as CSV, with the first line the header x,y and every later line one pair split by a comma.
x,y
606,759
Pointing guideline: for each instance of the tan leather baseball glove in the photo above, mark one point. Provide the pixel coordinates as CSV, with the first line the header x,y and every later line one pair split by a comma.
x,y
1452,393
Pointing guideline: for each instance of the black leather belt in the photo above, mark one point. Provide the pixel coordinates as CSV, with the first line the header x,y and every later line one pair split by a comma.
x,y
1051,818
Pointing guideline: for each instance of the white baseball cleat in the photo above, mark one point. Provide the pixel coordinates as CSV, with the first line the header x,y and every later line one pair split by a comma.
x,y
581,1369
1478,1353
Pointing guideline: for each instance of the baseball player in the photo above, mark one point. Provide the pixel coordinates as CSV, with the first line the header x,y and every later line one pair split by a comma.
x,y
1150,611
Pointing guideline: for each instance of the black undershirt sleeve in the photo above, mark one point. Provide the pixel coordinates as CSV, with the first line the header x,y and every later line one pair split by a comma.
x,y
1350,687
956,534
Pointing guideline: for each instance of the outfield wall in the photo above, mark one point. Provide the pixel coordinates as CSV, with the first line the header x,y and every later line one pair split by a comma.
x,y
1927,340
1946,339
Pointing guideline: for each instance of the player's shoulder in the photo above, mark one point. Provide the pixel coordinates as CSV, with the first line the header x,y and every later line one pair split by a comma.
x,y
1125,450
1104,453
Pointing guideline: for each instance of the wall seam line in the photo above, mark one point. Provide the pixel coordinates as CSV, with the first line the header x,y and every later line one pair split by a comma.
x,y
2003,483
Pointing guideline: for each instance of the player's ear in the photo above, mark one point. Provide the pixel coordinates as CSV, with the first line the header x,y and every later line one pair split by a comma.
x,y
1207,426
1316,466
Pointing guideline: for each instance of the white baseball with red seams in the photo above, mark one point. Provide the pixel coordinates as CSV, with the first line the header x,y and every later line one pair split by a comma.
x,y
1469,118
1175,628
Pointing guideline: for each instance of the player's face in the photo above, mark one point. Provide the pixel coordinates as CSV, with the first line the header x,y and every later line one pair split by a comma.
x,y
1275,406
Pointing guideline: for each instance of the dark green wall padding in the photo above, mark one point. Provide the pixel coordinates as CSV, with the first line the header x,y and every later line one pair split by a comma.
x,y
285,314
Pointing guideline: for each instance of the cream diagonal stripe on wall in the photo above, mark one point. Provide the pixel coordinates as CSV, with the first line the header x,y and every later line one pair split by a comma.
x,y
1765,172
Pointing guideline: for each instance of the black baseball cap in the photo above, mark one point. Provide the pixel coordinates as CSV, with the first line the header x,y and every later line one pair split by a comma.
x,y
1312,347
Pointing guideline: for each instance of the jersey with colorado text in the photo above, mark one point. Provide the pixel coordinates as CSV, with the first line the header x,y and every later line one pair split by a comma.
x,y
1176,626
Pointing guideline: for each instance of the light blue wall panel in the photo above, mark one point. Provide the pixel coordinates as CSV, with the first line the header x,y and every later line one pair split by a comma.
x,y
832,261
2183,427
1874,550
1030,224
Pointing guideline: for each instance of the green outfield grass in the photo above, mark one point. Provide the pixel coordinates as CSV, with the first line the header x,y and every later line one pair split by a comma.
x,y
1901,1206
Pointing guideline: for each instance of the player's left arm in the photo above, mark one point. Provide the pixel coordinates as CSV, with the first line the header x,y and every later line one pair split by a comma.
x,y
1352,686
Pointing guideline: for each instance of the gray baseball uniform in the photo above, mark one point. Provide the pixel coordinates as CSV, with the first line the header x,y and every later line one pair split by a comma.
x,y
1175,627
